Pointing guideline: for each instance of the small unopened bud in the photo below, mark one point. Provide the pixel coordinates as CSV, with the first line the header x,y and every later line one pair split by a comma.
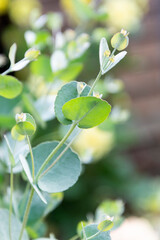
x,y
120,40
32,54
110,218
111,59
107,53
97,95
20,117
80,87
124,32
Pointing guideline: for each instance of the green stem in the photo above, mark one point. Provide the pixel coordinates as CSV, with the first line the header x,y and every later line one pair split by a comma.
x,y
26,213
110,57
113,52
48,159
10,206
32,158
95,82
6,72
60,155
74,237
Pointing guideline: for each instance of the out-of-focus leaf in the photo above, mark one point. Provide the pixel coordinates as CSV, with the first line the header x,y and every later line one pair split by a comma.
x,y
12,53
70,73
42,67
10,87
16,227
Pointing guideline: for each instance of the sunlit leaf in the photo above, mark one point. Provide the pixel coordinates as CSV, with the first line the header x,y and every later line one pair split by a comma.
x,y
66,93
87,111
105,225
10,87
25,124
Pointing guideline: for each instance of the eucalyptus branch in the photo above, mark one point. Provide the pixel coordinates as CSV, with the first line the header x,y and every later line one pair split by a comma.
x,y
95,82
26,213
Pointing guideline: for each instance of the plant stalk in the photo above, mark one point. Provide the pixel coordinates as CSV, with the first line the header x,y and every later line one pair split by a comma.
x,y
48,159
6,72
26,213
95,82
32,158
60,155
10,205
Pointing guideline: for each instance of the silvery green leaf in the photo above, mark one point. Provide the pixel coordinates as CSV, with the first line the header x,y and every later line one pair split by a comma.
x,y
40,22
102,48
78,47
28,173
26,168
16,226
58,61
117,59
16,148
12,53
20,65
10,153
44,106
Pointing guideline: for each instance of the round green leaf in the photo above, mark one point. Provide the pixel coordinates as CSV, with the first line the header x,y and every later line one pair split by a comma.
x,y
10,87
66,93
88,111
4,226
105,225
25,124
63,174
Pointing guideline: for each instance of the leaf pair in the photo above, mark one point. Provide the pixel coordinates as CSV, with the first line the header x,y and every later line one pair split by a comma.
x,y
108,61
88,111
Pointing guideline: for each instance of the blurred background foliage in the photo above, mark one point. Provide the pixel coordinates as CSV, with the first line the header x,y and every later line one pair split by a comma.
x,y
69,41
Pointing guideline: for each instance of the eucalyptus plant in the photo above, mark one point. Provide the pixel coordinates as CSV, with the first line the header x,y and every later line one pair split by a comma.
x,y
53,167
